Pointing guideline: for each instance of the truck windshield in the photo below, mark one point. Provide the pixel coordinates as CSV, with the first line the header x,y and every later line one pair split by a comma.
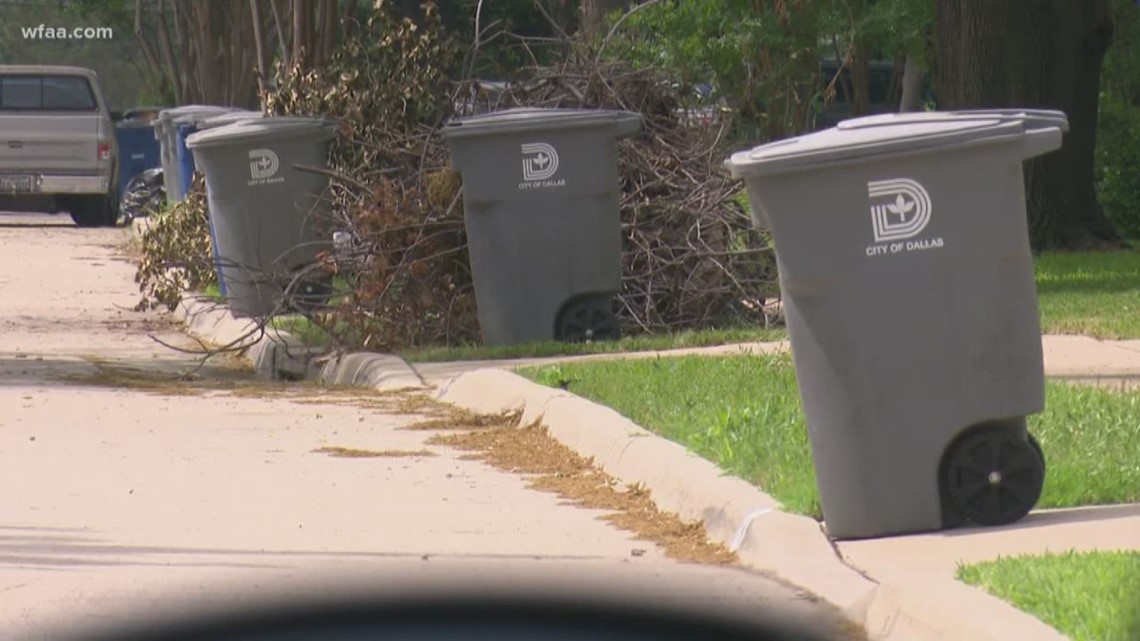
x,y
46,93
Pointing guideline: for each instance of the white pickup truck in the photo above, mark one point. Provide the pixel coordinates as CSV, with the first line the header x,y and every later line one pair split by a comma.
x,y
57,144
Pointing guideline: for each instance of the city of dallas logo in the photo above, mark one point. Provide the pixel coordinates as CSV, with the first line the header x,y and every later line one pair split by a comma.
x,y
263,167
540,164
900,211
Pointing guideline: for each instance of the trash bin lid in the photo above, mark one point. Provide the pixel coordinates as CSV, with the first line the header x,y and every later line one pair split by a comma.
x,y
176,112
197,116
135,124
527,119
1035,118
884,134
265,128
230,118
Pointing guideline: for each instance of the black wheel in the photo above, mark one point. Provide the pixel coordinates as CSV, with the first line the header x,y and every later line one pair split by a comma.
x,y
993,476
111,213
311,295
1040,453
591,319
95,211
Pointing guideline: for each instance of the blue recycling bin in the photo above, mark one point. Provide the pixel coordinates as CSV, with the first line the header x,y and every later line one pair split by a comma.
x,y
185,157
181,123
166,131
138,151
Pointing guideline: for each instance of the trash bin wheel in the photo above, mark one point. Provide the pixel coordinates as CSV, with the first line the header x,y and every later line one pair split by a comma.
x,y
1037,448
310,295
993,476
589,319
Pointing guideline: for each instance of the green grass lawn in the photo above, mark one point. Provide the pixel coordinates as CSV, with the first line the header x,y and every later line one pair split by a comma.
x,y
299,326
1091,293
304,330
743,413
642,343
1092,596
214,293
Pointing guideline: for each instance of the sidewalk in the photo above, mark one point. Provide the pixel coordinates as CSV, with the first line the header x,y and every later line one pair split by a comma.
x,y
1079,359
1104,527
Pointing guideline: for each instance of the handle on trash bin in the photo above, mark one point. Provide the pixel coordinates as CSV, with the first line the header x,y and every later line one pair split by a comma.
x,y
1040,141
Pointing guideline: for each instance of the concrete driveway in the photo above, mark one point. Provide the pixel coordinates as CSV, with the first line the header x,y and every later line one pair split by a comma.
x,y
124,498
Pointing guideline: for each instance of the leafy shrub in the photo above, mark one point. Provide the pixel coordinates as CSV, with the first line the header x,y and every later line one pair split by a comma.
x,y
176,252
1117,163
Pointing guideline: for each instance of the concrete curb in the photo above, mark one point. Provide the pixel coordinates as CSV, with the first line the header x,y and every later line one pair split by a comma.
x,y
735,513
790,547
276,354
382,372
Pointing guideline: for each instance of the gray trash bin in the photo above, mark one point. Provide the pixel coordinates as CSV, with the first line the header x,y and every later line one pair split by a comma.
x,y
166,132
908,287
228,118
266,213
540,197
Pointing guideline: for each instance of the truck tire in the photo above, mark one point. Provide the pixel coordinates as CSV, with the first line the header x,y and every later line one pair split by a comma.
x,y
95,211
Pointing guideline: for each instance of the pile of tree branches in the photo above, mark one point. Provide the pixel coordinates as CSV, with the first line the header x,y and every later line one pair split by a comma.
x,y
691,256
394,199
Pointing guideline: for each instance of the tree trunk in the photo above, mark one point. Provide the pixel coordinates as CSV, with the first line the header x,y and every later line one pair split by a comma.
x,y
911,85
1027,53
171,69
259,47
203,37
348,19
594,14
895,86
860,65
330,27
300,35
282,37
244,90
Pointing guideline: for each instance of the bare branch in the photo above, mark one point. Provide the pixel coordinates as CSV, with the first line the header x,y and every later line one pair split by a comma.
x,y
348,19
282,34
169,59
259,45
140,35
